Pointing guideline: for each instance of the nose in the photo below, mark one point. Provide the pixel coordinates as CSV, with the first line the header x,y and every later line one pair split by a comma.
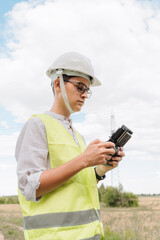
x,y
84,95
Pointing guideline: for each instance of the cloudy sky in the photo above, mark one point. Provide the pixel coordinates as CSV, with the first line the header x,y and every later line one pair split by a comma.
x,y
122,39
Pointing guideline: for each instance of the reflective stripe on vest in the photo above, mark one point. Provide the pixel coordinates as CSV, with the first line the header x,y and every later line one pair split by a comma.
x,y
63,219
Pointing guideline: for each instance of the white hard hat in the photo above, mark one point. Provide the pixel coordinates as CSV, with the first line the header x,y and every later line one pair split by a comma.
x,y
76,65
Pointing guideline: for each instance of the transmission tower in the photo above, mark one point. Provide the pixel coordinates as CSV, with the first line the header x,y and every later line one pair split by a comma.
x,y
113,123
115,172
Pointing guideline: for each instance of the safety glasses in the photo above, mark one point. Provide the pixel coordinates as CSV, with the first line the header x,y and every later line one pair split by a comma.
x,y
81,87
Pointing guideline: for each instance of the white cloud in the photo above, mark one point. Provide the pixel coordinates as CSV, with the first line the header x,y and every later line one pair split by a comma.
x,y
157,174
122,40
8,179
4,166
4,124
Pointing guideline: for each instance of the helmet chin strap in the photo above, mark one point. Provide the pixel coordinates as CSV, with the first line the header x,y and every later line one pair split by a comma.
x,y
63,91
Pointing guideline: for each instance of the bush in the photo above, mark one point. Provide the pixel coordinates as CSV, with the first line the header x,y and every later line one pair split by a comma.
x,y
9,200
101,192
129,200
111,197
2,200
115,197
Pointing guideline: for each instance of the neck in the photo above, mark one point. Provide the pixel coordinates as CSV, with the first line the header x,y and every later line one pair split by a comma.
x,y
60,110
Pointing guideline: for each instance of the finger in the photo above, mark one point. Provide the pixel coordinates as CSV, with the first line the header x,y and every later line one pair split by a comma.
x,y
103,159
121,154
107,144
107,151
110,151
108,157
117,159
113,163
109,164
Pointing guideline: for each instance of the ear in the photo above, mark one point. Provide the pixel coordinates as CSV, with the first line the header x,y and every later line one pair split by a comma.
x,y
57,84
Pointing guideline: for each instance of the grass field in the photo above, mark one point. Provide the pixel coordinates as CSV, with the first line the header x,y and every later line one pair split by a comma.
x,y
11,222
141,223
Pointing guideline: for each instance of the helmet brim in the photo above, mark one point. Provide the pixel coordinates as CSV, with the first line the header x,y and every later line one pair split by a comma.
x,y
94,83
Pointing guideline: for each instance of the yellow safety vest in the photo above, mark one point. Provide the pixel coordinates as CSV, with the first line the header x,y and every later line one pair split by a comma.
x,y
71,212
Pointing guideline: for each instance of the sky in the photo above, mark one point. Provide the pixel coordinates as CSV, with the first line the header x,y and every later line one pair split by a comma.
x,y
122,39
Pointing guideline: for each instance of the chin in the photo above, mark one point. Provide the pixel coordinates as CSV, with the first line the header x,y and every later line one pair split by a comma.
x,y
77,109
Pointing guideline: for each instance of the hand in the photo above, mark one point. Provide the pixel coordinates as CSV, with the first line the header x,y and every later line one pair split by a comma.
x,y
116,159
102,169
97,153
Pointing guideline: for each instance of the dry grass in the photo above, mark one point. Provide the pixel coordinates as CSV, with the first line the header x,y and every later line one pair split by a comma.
x,y
141,223
11,222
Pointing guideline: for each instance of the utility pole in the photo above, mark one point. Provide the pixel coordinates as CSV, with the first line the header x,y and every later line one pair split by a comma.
x,y
115,172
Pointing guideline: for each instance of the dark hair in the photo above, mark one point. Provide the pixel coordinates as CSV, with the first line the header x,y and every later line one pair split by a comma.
x,y
65,77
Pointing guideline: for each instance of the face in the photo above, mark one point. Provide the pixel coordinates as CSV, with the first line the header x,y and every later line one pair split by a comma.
x,y
76,98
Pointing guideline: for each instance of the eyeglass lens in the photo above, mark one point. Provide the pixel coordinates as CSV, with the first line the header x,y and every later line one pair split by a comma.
x,y
81,88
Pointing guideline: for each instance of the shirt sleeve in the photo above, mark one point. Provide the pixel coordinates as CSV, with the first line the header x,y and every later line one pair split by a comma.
x,y
32,157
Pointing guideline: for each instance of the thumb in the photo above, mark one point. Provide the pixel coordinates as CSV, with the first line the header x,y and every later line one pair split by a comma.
x,y
96,141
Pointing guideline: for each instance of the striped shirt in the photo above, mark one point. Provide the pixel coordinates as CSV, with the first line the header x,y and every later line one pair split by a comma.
x,y
32,153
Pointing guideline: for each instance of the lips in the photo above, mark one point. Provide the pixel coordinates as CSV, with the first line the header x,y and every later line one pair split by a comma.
x,y
80,102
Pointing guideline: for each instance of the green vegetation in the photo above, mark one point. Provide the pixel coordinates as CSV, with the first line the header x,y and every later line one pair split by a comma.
x,y
148,195
133,223
127,235
115,197
11,232
9,200
11,223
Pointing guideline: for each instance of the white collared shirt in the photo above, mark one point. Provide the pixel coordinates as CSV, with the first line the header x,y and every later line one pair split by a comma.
x,y
32,153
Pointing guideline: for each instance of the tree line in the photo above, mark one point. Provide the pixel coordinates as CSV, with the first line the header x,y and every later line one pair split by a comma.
x,y
116,197
9,200
109,196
